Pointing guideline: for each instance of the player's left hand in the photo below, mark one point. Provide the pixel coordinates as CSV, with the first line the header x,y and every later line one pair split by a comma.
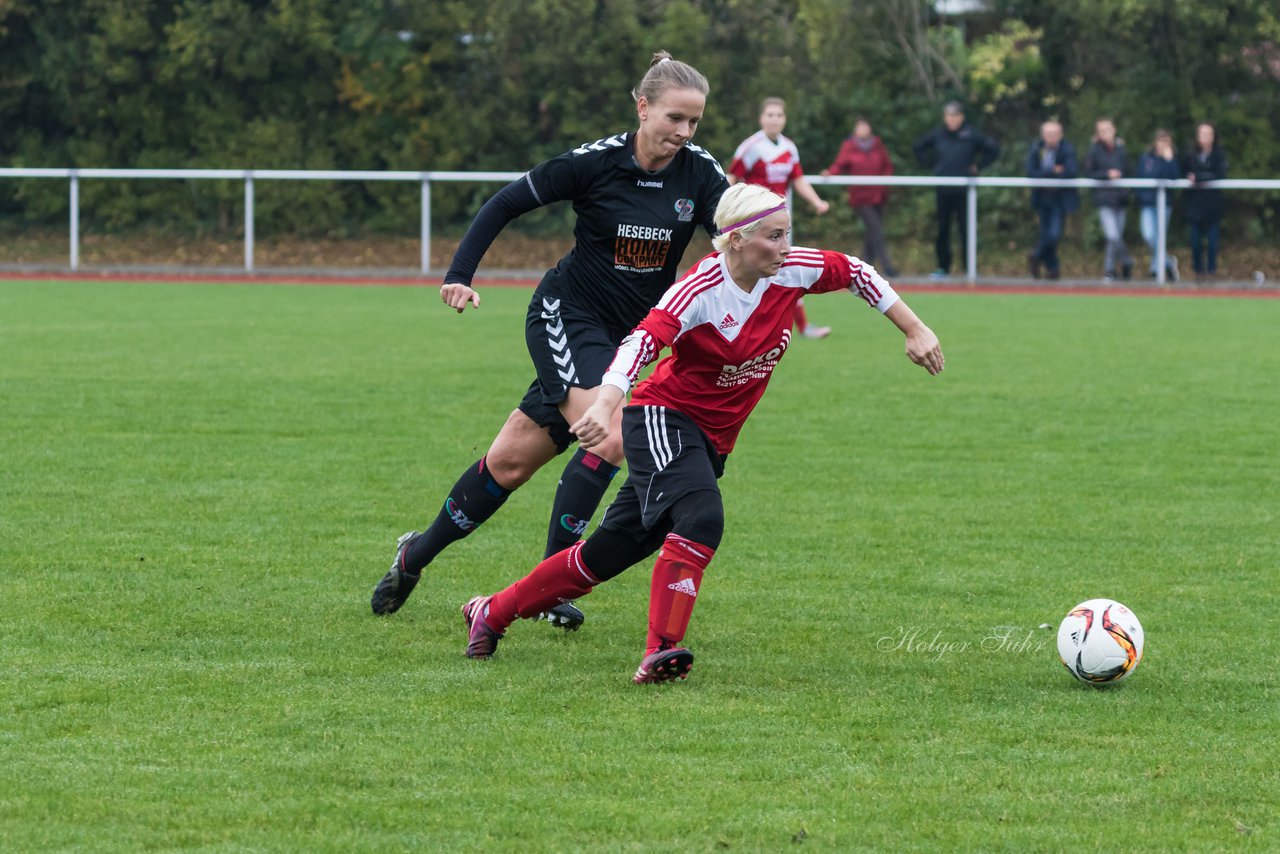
x,y
923,349
822,206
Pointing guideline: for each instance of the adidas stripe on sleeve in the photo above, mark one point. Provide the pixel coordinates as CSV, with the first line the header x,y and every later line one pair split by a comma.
x,y
820,271
868,284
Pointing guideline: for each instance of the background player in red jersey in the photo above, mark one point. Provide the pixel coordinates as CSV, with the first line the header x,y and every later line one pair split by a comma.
x,y
639,197
728,323
769,159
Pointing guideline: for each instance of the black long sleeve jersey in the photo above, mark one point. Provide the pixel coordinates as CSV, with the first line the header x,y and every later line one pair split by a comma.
x,y
632,225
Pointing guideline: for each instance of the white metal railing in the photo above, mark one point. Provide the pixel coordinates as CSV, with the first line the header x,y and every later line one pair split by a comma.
x,y
972,185
427,178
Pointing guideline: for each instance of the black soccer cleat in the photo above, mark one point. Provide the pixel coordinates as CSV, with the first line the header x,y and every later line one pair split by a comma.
x,y
396,585
566,615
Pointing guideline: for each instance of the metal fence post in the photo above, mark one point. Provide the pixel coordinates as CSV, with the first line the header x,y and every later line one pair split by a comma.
x,y
971,232
1162,253
424,233
75,220
248,221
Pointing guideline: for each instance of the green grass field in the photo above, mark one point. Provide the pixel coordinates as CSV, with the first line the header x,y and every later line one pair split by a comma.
x,y
200,484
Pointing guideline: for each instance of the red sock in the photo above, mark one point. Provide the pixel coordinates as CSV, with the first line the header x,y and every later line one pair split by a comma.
x,y
561,576
677,575
802,319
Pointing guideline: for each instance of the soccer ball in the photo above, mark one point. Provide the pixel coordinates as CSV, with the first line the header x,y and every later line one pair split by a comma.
x,y
1100,641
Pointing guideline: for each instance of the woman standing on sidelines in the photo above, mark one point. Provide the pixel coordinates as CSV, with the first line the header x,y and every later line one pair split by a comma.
x,y
1107,160
865,154
728,323
638,198
1206,161
1157,162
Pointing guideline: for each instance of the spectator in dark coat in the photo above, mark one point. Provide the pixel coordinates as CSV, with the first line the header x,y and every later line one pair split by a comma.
x,y
1107,160
1203,207
1051,156
956,150
1157,162
864,154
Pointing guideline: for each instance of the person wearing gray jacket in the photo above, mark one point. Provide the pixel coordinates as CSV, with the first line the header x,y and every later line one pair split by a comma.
x,y
1107,161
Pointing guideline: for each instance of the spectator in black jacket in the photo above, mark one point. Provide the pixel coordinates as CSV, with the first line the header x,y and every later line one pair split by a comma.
x,y
1205,162
1051,156
1107,160
1158,162
955,149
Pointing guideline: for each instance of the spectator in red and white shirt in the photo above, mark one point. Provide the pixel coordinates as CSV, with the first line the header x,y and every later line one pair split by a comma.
x,y
769,159
727,323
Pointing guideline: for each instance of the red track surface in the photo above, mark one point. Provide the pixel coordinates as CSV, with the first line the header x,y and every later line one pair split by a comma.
x,y
905,285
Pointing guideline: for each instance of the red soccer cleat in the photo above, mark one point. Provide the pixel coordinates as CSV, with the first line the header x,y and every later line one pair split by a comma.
x,y
482,641
664,665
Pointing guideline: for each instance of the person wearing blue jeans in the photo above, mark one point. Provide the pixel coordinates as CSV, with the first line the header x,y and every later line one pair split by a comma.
x,y
1107,160
1203,207
1051,156
1157,162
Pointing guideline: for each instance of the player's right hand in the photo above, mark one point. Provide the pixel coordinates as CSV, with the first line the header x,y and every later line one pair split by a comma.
x,y
592,428
456,295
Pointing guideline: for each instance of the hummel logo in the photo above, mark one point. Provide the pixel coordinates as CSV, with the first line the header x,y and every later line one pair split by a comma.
x,y
728,322
685,586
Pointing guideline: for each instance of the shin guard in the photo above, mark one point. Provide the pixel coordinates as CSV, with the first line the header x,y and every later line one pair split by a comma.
x,y
677,576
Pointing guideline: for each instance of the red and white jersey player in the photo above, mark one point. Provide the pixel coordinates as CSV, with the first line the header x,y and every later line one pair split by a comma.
x,y
726,341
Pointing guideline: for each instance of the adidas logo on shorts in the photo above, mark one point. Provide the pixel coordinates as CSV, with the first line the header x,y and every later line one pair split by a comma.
x,y
685,586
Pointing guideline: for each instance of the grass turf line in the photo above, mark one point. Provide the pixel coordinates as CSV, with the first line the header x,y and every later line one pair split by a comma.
x,y
199,486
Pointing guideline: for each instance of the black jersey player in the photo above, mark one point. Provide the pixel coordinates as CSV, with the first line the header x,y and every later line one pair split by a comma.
x,y
638,198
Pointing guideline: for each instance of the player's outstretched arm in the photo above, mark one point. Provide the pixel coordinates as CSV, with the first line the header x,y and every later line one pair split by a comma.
x,y
456,295
922,345
805,190
593,427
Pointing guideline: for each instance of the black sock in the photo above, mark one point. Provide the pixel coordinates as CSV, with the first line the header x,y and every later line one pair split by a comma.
x,y
474,498
582,484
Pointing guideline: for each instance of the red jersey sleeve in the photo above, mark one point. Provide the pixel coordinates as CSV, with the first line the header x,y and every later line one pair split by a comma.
x,y
821,271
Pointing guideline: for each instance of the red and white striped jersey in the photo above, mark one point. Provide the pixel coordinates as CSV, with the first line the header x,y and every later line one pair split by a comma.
x,y
725,342
769,163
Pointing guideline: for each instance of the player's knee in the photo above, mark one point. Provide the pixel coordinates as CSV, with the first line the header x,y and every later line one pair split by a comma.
x,y
520,449
510,471
610,449
699,516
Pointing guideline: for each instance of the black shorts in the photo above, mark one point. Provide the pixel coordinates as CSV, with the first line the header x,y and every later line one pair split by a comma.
x,y
668,457
569,348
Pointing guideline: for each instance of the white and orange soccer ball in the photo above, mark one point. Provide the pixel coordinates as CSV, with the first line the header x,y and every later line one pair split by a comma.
x,y
1100,642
